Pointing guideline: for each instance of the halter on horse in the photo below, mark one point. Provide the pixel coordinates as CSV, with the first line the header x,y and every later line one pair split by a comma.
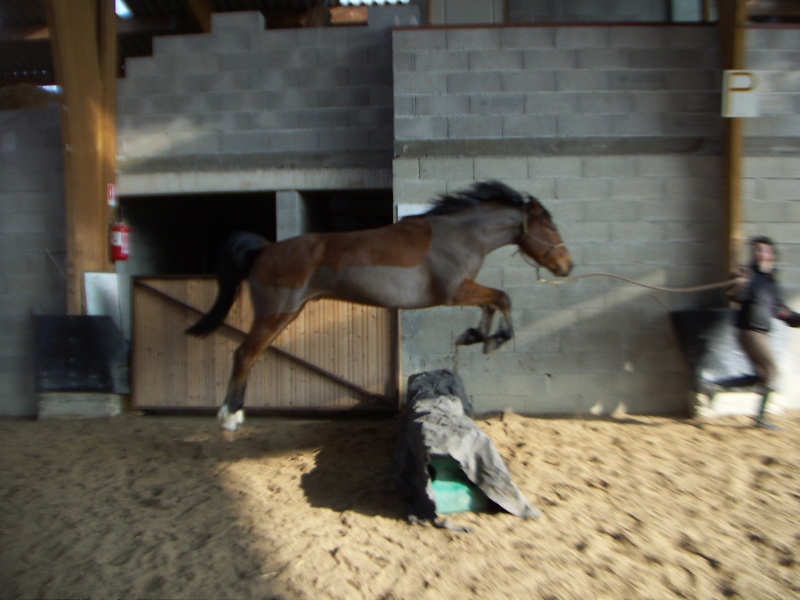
x,y
419,262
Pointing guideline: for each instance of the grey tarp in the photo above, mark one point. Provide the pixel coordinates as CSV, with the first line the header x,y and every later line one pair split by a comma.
x,y
437,422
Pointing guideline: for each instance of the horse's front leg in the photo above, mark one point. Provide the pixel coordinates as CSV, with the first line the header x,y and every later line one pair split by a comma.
x,y
231,413
490,300
505,331
476,335
262,333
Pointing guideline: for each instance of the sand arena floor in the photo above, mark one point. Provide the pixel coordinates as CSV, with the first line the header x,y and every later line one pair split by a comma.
x,y
165,507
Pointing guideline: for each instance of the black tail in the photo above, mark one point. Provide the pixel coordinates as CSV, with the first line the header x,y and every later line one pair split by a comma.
x,y
233,264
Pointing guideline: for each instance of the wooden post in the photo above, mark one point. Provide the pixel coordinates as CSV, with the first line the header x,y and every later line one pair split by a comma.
x,y
733,16
108,60
707,11
83,41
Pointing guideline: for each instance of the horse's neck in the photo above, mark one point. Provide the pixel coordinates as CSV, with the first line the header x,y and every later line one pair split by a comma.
x,y
491,227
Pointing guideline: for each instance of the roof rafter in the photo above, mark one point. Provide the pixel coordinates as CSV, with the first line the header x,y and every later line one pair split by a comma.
x,y
200,11
37,33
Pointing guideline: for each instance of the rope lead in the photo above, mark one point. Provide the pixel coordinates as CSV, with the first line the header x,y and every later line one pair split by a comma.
x,y
685,290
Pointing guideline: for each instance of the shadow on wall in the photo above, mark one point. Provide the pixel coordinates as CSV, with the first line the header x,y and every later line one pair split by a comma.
x,y
591,347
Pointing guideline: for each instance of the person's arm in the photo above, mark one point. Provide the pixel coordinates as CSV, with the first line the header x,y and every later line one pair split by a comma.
x,y
788,316
783,312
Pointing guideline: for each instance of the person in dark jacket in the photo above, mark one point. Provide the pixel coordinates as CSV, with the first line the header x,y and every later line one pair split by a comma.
x,y
759,299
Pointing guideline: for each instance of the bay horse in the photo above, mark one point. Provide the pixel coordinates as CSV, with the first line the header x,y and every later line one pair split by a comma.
x,y
419,262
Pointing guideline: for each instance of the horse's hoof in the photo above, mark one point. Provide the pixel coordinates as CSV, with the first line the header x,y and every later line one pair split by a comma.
x,y
493,343
470,336
490,346
228,421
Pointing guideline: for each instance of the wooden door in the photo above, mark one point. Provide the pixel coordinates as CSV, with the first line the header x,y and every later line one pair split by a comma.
x,y
335,356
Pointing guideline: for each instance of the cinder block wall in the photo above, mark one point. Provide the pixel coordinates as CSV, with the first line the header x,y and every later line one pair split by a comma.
x,y
32,245
247,108
771,189
617,131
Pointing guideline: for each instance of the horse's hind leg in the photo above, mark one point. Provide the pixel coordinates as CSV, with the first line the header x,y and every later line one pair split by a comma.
x,y
261,335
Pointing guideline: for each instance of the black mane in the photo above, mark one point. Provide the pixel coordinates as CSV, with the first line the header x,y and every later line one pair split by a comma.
x,y
483,191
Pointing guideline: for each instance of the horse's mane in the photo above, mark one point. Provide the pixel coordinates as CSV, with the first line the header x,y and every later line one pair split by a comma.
x,y
483,191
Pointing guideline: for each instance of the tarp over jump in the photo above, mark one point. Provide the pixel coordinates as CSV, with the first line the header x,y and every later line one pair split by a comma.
x,y
437,424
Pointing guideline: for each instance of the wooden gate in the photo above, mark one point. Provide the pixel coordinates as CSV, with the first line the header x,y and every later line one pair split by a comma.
x,y
334,356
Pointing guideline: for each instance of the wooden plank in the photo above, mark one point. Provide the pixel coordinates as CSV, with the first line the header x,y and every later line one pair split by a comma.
x,y
173,370
349,15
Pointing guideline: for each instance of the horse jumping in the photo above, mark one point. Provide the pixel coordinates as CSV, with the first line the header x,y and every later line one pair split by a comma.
x,y
419,262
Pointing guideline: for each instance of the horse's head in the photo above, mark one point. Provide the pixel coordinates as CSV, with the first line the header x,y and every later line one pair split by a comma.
x,y
541,241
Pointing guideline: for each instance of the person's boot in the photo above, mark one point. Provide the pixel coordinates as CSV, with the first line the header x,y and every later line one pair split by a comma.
x,y
761,419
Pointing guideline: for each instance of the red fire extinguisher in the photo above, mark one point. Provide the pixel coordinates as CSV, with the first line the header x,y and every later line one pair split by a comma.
x,y
120,235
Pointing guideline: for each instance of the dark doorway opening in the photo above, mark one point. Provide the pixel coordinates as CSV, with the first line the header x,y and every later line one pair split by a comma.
x,y
180,235
348,210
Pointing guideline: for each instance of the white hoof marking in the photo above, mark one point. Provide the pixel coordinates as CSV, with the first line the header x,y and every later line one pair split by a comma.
x,y
230,421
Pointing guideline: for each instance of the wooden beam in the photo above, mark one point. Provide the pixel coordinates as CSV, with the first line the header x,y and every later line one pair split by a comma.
x,y
38,33
200,12
150,25
80,45
107,47
707,11
732,21
773,8
27,33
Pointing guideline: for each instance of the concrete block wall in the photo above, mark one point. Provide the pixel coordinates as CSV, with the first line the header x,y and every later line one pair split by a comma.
x,y
556,82
771,187
243,98
32,245
775,54
617,131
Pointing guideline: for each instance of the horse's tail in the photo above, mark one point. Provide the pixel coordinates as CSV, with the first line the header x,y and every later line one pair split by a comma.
x,y
234,260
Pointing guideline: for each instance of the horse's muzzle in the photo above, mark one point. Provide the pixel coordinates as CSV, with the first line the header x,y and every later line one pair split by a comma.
x,y
562,268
